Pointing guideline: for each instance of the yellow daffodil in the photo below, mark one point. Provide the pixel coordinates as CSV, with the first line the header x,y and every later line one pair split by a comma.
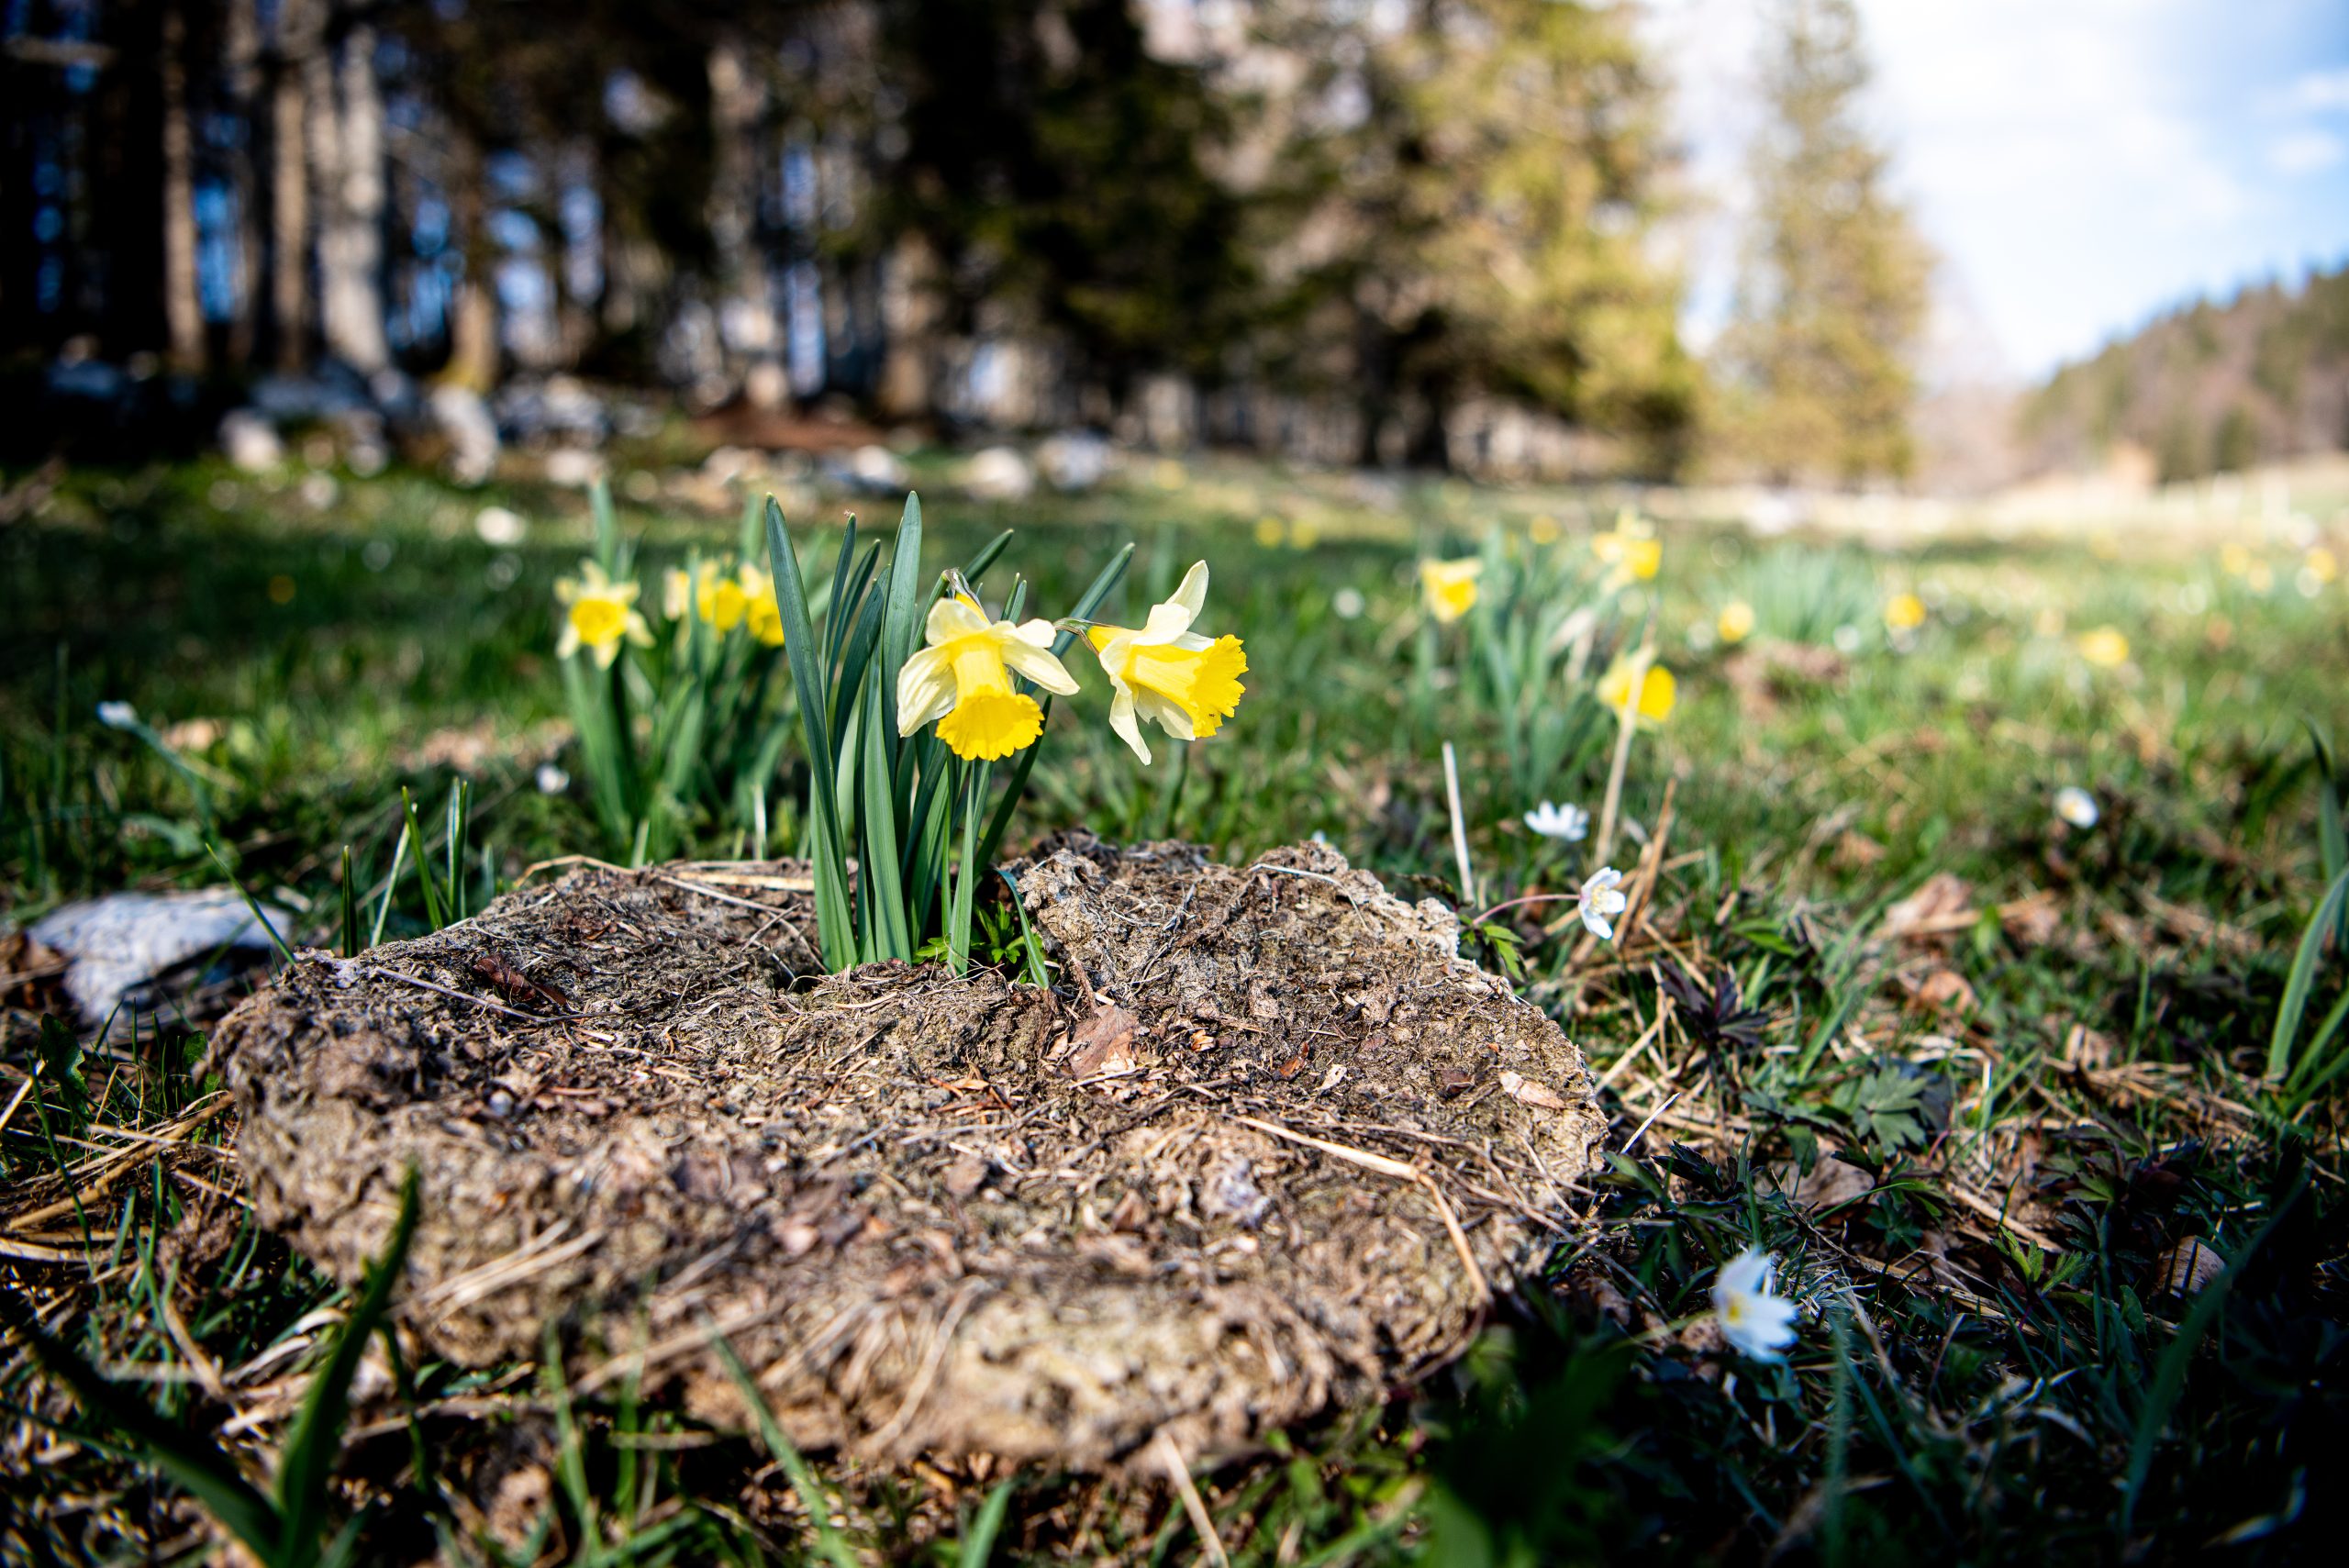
x,y
1184,684
1904,612
1629,548
1657,694
1542,529
962,680
2105,647
2261,578
1450,587
711,595
599,614
1270,533
1736,622
2321,565
2236,561
761,613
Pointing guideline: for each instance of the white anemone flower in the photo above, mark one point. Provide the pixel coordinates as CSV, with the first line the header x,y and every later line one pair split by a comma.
x,y
1753,1318
117,715
1567,824
2078,807
1602,895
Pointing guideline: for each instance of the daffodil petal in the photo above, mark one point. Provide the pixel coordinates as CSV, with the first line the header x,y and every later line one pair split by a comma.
x,y
925,689
1039,665
951,617
1165,713
1192,596
1122,721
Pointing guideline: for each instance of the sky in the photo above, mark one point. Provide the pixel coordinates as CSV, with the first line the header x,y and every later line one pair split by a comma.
x,y
2079,165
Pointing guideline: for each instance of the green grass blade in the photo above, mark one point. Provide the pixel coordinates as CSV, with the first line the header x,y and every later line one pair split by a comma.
x,y
423,866
2169,1373
829,1543
966,877
978,1542
2303,975
251,903
835,926
383,905
845,590
855,658
901,624
349,908
608,526
976,567
315,1437
1103,584
191,1462
881,867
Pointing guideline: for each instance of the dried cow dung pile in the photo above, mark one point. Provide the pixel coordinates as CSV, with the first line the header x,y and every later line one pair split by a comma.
x,y
1268,1152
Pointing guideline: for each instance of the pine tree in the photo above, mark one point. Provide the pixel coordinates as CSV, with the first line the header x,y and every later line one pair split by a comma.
x,y
1818,361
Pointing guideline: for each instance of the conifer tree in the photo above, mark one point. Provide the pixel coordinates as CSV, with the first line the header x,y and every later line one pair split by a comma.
x,y
1819,360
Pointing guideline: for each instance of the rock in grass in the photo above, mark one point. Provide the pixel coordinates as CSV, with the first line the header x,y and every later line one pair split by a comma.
x,y
1263,1149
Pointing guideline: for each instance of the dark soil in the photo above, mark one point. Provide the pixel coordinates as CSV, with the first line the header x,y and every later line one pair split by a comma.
x,y
1267,1148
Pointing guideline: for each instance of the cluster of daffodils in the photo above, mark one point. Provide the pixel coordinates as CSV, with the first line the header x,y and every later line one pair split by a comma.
x,y
1162,672
743,597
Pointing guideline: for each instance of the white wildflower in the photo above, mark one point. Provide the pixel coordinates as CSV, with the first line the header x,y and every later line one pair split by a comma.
x,y
1567,824
117,715
2078,807
1753,1318
1602,895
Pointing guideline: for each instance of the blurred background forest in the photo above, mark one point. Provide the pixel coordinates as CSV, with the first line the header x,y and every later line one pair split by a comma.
x,y
1436,233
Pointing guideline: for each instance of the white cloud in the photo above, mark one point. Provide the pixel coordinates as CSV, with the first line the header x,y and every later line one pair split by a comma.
x,y
2309,151
2079,164
2317,92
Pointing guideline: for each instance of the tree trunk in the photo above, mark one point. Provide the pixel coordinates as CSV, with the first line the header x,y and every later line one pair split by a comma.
x,y
347,135
747,329
299,41
473,310
183,312
241,47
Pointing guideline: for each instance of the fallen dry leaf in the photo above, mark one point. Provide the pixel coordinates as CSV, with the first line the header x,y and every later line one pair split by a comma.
x,y
1526,1092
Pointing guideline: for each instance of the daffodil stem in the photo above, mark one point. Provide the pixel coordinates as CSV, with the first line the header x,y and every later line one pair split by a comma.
x,y
1627,720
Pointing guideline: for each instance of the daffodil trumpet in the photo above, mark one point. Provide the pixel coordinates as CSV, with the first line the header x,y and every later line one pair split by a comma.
x,y
962,679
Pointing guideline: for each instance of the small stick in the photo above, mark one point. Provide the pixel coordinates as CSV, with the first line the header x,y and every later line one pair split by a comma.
x,y
1396,1168
1627,720
1634,1141
1180,1474
469,996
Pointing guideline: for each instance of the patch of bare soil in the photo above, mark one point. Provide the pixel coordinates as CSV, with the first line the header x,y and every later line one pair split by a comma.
x,y
1267,1147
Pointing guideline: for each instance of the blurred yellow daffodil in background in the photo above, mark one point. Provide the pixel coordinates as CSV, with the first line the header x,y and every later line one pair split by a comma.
x,y
711,595
1658,692
1904,612
2105,647
598,615
761,614
1736,621
1184,684
962,680
2322,564
1630,548
1450,587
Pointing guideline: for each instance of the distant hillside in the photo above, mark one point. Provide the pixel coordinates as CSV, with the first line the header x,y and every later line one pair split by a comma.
x,y
2208,388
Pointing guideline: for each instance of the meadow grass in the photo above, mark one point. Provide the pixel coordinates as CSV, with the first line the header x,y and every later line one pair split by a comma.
x,y
2041,1052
